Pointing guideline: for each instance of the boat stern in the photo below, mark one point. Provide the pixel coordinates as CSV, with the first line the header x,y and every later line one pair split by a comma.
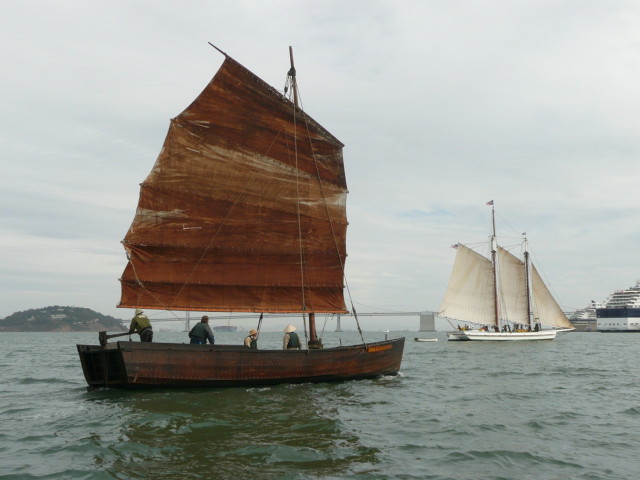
x,y
102,365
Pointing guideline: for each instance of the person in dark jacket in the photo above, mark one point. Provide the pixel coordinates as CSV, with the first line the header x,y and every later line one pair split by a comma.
x,y
141,325
201,332
251,340
290,340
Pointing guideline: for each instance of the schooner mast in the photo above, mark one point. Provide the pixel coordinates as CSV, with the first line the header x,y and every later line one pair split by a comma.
x,y
527,282
494,265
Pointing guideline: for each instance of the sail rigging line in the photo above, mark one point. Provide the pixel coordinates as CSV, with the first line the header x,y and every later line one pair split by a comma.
x,y
142,285
294,86
329,218
291,75
333,232
135,273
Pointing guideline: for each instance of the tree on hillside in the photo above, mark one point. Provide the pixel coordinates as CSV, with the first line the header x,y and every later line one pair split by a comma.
x,y
58,318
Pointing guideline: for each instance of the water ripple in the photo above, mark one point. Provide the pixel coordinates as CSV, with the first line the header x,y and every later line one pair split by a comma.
x,y
561,410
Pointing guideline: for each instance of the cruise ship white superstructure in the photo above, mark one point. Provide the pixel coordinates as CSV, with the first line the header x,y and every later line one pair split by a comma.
x,y
585,319
621,311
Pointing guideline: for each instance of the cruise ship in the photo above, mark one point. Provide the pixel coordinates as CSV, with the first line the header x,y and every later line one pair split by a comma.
x,y
225,328
585,319
621,311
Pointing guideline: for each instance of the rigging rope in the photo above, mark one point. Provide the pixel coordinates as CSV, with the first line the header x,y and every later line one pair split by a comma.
x,y
303,276
333,233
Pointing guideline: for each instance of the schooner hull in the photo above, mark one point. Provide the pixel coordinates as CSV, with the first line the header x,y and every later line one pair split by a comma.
x,y
468,335
134,365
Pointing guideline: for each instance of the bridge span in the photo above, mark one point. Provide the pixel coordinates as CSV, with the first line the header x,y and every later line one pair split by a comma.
x,y
426,317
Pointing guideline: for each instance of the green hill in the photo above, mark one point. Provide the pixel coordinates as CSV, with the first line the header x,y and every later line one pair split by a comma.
x,y
60,319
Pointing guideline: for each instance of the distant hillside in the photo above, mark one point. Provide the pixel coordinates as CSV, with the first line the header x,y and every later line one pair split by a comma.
x,y
60,319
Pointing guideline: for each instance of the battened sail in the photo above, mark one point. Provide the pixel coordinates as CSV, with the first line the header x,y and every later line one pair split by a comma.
x,y
469,295
244,209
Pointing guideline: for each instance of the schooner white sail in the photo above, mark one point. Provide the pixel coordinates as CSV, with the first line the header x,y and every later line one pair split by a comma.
x,y
503,296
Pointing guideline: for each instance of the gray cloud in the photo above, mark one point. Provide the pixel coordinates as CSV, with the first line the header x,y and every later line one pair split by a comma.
x,y
442,106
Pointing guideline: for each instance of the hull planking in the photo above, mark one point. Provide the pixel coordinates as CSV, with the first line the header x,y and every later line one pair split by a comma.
x,y
133,365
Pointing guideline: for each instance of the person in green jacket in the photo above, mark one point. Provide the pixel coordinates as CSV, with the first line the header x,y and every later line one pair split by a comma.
x,y
141,325
290,340
201,332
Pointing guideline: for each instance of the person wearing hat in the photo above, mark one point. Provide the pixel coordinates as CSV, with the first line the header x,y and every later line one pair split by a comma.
x,y
251,340
141,325
290,340
201,332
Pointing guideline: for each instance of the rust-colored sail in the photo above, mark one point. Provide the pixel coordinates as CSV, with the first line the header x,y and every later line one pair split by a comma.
x,y
244,209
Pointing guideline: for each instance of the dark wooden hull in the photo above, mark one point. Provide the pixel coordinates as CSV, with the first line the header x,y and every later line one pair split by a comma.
x,y
170,365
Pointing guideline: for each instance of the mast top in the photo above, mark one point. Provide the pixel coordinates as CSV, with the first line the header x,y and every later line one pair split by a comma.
x,y
292,75
223,53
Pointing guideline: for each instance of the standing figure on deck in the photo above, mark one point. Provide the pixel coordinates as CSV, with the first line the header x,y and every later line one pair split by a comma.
x,y
141,325
290,340
201,332
251,340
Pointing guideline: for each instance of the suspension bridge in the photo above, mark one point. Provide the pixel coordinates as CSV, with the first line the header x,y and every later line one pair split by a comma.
x,y
426,318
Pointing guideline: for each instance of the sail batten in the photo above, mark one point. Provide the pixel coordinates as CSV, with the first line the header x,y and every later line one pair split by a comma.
x,y
220,214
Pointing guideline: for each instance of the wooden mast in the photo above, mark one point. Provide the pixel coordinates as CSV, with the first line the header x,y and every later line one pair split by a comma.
x,y
493,264
313,335
526,274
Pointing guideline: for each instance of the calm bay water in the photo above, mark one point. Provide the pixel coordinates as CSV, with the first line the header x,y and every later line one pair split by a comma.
x,y
566,409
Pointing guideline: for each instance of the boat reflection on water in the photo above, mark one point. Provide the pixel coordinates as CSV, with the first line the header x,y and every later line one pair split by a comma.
x,y
283,428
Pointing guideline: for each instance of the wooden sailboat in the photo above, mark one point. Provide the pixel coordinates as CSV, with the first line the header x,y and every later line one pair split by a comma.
x,y
503,296
243,211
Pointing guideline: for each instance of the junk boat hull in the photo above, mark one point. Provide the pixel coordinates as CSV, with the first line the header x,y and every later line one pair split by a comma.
x,y
134,365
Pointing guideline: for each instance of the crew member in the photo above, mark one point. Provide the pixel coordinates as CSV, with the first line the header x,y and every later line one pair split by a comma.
x,y
141,325
251,340
290,340
201,332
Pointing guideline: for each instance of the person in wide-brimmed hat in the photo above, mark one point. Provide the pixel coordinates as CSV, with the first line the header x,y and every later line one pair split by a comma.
x,y
141,325
251,340
290,340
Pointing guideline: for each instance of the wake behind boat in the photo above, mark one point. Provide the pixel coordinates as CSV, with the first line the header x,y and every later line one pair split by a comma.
x,y
243,211
502,295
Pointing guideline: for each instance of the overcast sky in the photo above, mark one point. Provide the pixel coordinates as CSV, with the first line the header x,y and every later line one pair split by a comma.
x,y
442,106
